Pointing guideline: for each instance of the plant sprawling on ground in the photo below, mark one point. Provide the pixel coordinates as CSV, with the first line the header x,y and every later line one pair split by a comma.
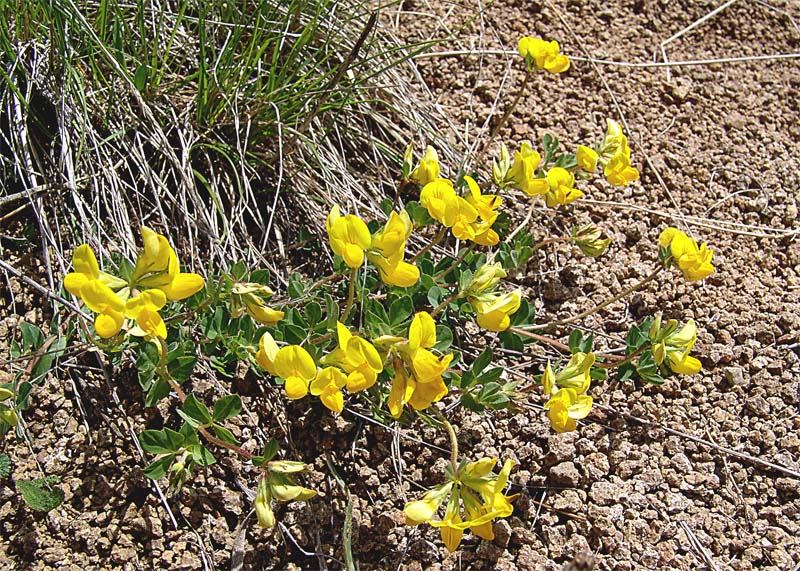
x,y
392,324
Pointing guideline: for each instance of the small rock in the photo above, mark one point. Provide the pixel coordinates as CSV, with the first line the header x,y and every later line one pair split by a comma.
x,y
681,463
735,376
758,405
565,474
502,532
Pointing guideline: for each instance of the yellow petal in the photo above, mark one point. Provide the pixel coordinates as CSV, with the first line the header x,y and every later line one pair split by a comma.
x,y
296,387
294,361
75,281
267,350
100,298
108,324
183,285
422,332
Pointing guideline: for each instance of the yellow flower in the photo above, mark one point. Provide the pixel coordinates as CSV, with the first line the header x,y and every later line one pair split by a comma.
x,y
543,54
566,391
522,174
358,357
587,158
494,310
157,267
328,387
485,279
295,366
110,308
421,336
618,170
436,196
674,346
694,262
86,270
349,237
614,142
249,294
144,309
267,350
418,372
421,511
590,240
388,250
485,204
460,217
7,413
562,189
565,407
428,168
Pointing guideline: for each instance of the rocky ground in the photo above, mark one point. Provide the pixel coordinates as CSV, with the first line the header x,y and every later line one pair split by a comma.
x,y
699,473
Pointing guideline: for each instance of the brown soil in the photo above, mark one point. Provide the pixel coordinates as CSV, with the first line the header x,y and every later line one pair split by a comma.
x,y
689,488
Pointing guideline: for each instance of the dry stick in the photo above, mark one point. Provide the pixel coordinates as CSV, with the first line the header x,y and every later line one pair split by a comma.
x,y
616,360
724,449
698,547
509,110
595,309
689,28
43,290
635,65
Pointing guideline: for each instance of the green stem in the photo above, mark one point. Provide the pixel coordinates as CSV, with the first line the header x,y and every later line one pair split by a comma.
x,y
453,440
595,309
548,241
433,243
351,290
163,372
445,303
455,264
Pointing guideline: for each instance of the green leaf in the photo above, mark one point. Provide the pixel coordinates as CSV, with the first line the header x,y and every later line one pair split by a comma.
x,y
158,469
227,407
331,313
579,343
270,450
43,494
470,403
295,289
32,337
491,375
197,410
23,391
5,465
313,313
161,441
224,434
202,455
400,310
140,78
181,367
444,338
434,295
157,391
483,360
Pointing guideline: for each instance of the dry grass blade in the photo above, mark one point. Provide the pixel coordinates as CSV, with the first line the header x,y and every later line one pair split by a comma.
x,y
698,547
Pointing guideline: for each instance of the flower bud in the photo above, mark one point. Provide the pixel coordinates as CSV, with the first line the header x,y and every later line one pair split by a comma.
x,y
485,278
264,513
590,240
500,169
408,161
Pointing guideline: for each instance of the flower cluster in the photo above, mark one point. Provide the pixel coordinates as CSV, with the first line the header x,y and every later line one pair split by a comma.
x,y
557,184
494,309
672,346
354,364
473,498
350,238
542,54
277,484
615,156
694,262
567,391
417,379
156,278
469,218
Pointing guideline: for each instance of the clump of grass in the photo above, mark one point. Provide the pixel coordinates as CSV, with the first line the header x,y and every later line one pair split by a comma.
x,y
233,123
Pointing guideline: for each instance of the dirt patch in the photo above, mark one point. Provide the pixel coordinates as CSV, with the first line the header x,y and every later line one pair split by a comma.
x,y
717,148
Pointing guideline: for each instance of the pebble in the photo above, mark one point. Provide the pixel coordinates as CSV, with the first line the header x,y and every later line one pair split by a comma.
x,y
735,376
565,474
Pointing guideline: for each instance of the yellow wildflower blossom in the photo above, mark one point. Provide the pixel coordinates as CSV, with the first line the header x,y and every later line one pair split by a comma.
x,y
349,237
694,262
543,54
